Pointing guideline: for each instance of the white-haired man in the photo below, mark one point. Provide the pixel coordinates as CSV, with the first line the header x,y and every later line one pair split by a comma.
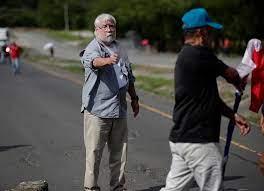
x,y
108,76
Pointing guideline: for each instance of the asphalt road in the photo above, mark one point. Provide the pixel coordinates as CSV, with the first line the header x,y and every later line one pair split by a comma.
x,y
42,137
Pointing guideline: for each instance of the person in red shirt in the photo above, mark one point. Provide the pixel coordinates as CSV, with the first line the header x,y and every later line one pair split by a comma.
x,y
14,51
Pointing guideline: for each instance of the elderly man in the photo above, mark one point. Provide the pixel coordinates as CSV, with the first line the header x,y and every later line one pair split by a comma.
x,y
194,138
108,76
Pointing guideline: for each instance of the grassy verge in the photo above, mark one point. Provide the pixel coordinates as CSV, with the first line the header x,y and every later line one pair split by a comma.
x,y
74,69
69,65
68,36
156,85
62,35
152,69
253,117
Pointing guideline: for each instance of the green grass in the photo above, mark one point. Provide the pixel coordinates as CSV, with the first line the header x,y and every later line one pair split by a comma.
x,y
253,117
159,86
63,35
68,36
74,68
69,65
84,42
228,96
152,69
36,58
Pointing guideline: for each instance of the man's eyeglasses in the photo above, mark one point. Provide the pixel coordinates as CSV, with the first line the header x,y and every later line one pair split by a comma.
x,y
105,27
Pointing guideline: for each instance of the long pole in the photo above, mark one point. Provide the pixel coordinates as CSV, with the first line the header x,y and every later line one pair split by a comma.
x,y
230,130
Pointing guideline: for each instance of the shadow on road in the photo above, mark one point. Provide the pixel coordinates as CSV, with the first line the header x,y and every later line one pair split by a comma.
x,y
6,148
155,188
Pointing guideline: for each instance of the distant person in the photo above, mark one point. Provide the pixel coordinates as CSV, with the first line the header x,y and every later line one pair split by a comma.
x,y
108,77
15,51
227,43
145,42
5,57
194,138
50,48
52,52
2,53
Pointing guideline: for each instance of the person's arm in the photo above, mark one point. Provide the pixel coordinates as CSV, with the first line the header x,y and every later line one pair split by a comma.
x,y
239,120
231,75
92,57
100,62
134,99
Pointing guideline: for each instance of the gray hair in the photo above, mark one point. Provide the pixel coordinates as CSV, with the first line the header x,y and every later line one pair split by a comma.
x,y
104,17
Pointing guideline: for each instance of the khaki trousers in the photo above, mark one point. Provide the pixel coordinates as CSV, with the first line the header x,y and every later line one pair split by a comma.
x,y
202,162
98,132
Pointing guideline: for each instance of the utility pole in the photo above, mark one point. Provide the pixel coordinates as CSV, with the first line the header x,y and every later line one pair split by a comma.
x,y
66,16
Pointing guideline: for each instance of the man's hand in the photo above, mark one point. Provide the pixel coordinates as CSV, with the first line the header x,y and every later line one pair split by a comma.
x,y
113,59
261,162
242,124
262,124
135,107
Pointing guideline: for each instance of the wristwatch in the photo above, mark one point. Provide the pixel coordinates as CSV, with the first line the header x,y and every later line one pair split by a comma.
x,y
135,98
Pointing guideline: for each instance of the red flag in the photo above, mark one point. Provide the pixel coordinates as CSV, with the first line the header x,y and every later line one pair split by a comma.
x,y
257,81
253,61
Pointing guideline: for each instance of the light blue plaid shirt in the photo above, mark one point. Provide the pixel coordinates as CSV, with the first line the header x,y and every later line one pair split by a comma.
x,y
101,95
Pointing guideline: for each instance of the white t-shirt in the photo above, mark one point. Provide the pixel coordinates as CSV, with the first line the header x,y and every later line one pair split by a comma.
x,y
121,78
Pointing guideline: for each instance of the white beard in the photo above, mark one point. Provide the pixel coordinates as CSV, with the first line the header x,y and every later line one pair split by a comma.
x,y
110,38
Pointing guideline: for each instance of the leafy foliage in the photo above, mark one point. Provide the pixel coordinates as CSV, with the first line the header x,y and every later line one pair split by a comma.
x,y
157,20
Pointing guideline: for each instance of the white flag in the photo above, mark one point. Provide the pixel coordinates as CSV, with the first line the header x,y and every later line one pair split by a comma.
x,y
247,65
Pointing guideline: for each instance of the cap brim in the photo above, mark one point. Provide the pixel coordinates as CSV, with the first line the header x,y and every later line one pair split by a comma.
x,y
215,25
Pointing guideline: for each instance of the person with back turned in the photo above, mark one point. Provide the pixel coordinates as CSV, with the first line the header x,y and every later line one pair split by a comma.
x,y
194,138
